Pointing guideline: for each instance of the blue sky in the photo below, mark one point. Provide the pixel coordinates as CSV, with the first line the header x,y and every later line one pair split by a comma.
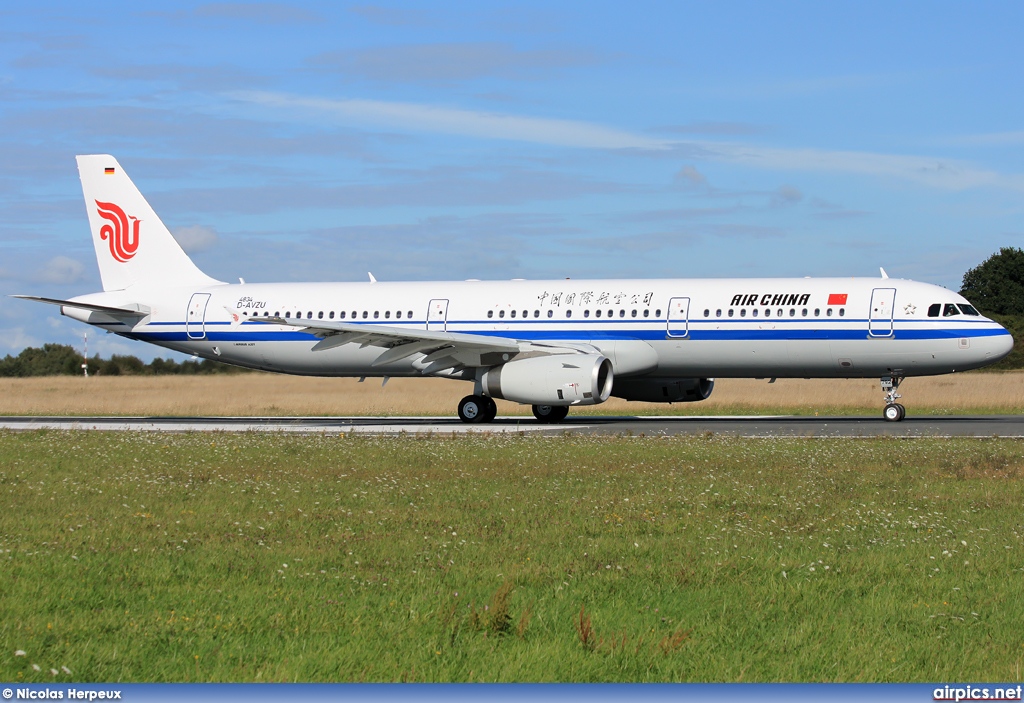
x,y
319,141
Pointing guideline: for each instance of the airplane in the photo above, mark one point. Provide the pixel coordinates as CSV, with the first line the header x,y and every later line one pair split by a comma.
x,y
551,344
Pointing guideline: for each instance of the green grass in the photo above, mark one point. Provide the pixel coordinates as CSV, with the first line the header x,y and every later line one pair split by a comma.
x,y
143,557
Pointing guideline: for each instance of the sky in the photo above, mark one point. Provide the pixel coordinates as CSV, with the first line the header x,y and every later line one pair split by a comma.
x,y
319,141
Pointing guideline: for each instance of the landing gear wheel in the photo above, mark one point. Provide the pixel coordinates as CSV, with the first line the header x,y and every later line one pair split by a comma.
x,y
473,408
491,410
893,413
550,413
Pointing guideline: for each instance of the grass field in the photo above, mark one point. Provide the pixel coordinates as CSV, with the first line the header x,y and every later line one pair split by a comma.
x,y
271,394
196,557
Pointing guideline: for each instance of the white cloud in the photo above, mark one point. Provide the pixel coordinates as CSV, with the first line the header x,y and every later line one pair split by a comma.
x,y
195,238
935,172
786,195
61,270
690,177
470,123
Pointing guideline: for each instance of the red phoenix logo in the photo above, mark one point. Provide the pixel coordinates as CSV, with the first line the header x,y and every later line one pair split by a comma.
x,y
124,241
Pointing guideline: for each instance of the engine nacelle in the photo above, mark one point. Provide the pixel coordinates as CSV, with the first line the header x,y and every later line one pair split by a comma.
x,y
664,390
561,379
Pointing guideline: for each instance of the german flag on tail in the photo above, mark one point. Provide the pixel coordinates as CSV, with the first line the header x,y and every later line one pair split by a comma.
x,y
109,170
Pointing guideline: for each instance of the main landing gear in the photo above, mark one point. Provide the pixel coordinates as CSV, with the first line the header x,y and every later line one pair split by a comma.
x,y
893,412
550,413
477,409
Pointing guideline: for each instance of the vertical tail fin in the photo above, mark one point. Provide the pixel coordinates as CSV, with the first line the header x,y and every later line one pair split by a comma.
x,y
132,244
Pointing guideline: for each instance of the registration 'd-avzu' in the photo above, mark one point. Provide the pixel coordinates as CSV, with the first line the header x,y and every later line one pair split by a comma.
x,y
550,344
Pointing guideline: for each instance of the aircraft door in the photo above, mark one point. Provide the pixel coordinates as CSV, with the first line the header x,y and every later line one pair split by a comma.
x,y
678,317
195,319
880,319
437,315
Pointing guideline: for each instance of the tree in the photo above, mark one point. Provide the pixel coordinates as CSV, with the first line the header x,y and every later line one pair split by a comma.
x,y
996,286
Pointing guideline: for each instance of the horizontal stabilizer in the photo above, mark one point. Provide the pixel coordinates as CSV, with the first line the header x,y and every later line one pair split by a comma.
x,y
134,310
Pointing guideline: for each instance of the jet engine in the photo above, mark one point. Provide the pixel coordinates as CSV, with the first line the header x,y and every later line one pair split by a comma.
x,y
562,379
664,390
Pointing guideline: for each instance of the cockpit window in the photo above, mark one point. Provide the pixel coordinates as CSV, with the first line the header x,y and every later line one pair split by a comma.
x,y
934,309
949,310
969,310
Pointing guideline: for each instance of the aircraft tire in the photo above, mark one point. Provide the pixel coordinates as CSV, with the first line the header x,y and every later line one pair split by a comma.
x,y
550,413
491,410
473,409
892,413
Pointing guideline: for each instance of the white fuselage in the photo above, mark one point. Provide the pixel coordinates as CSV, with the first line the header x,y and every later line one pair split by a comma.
x,y
667,328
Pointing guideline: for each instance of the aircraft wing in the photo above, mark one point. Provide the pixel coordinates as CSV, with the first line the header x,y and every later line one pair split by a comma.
x,y
442,350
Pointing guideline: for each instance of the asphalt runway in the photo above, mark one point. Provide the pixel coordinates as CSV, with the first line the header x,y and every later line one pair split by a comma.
x,y
747,426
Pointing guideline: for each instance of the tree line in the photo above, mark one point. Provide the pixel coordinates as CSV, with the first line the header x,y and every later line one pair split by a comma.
x,y
995,287
64,360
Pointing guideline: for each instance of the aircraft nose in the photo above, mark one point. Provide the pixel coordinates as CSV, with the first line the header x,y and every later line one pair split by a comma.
x,y
998,346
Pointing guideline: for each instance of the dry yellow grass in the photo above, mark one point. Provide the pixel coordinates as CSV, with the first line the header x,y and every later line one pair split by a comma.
x,y
270,394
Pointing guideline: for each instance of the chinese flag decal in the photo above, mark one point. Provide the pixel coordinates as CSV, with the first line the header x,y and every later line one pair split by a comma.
x,y
837,299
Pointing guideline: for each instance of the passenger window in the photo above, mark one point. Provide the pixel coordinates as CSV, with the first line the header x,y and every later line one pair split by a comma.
x,y
730,312
817,312
365,314
933,310
842,312
767,312
718,313
792,312
387,314
287,315
512,314
501,313
341,315
568,313
743,312
376,314
526,313
490,314
647,313
779,313
622,313
331,315
536,313
657,313
309,315
550,313
753,313
803,313
707,313
633,313
354,315
949,310
597,313
320,315
829,313
398,315
969,310
586,313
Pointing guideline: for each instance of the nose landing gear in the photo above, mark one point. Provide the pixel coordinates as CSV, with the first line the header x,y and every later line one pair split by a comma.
x,y
893,412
